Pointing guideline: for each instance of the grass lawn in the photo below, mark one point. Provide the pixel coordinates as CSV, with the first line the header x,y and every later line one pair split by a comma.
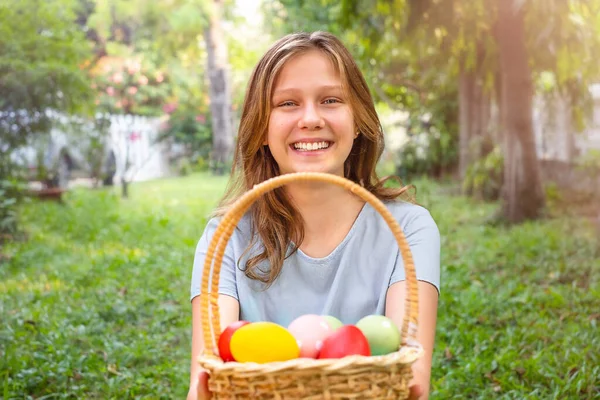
x,y
95,305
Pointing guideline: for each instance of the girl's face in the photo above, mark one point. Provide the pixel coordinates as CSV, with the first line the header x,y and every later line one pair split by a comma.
x,y
311,127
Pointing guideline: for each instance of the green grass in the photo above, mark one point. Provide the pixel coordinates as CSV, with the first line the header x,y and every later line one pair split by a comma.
x,y
95,304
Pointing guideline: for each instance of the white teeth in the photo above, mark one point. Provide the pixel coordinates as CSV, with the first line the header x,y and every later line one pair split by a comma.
x,y
311,146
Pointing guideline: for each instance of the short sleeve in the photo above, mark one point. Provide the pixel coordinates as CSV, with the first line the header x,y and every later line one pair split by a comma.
x,y
227,281
423,237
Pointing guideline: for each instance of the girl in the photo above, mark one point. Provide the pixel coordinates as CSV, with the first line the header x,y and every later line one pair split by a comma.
x,y
312,248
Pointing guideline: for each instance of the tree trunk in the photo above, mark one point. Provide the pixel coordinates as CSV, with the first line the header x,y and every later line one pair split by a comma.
x,y
474,119
125,179
523,196
465,131
219,90
124,188
496,112
475,136
475,107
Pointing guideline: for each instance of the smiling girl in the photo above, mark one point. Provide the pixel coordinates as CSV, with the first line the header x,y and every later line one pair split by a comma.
x,y
314,248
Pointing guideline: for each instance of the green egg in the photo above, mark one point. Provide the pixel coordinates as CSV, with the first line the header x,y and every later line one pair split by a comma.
x,y
381,333
333,322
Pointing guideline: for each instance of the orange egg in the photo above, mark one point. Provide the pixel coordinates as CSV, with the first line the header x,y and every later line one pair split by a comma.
x,y
263,342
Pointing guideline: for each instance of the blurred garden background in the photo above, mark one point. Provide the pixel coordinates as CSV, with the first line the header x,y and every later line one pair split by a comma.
x,y
117,125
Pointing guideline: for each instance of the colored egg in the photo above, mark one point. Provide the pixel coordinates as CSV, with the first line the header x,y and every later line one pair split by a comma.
x,y
263,342
381,332
310,330
225,339
345,341
333,322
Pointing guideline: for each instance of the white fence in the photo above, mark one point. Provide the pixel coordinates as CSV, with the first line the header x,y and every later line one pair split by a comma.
x,y
135,137
130,149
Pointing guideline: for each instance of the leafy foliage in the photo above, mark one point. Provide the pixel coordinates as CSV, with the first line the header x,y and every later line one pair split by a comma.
x,y
401,69
131,87
192,132
414,51
10,193
42,58
431,149
96,304
485,176
149,55
42,53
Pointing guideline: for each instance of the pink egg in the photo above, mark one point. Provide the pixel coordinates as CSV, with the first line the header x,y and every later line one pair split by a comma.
x,y
310,330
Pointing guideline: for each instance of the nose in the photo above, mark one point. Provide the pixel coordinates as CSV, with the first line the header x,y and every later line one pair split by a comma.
x,y
311,118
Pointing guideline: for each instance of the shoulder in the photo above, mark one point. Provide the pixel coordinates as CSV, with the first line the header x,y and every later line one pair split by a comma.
x,y
410,216
402,208
423,237
243,227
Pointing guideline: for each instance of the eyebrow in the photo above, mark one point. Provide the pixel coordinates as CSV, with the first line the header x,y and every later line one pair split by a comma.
x,y
293,90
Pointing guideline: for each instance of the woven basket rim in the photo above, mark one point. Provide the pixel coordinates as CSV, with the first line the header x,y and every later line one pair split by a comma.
x,y
405,355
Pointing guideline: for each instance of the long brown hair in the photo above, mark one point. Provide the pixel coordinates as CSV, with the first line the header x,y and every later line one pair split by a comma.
x,y
275,221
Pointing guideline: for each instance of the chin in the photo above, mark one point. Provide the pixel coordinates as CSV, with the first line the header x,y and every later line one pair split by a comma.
x,y
318,168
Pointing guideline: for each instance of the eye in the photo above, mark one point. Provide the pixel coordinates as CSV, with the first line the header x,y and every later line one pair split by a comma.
x,y
332,101
286,104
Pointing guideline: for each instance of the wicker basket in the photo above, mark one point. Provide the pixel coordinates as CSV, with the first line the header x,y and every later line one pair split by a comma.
x,y
352,377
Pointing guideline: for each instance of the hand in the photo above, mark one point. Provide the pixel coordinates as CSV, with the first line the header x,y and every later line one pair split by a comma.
x,y
415,391
199,390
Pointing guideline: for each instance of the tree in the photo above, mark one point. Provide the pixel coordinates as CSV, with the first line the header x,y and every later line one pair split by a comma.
x,y
220,92
401,69
443,47
170,34
42,54
130,87
500,64
523,195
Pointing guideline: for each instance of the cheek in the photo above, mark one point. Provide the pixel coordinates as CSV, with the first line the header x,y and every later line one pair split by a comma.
x,y
343,123
345,130
279,128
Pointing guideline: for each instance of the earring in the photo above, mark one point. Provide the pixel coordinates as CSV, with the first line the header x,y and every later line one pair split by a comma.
x,y
356,134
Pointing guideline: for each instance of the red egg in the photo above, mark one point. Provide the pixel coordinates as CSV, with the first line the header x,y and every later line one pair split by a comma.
x,y
345,341
225,339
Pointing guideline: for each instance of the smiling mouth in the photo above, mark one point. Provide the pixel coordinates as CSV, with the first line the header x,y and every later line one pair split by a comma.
x,y
313,146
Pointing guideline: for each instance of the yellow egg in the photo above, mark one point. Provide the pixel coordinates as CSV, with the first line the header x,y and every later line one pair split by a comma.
x,y
263,342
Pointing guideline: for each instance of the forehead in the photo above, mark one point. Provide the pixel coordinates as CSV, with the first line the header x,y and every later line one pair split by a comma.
x,y
309,69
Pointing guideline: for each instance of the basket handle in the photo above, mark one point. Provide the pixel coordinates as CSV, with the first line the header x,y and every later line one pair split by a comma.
x,y
211,324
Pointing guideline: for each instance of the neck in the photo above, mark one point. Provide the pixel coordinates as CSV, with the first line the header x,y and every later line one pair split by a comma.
x,y
323,206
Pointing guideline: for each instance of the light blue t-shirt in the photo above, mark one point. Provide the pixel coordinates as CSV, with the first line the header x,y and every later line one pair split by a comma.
x,y
350,283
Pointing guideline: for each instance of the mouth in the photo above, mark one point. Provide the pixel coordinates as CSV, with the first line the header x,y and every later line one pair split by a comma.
x,y
311,146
